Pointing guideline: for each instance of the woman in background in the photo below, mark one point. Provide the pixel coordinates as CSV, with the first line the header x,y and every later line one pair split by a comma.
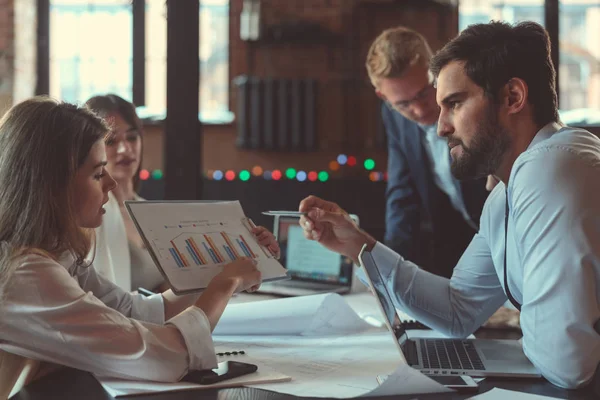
x,y
123,257
124,156
54,307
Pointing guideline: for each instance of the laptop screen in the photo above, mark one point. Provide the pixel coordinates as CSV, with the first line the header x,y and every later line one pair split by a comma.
x,y
306,259
383,296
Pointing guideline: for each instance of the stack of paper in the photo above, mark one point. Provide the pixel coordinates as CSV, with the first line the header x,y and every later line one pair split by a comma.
x,y
318,341
318,315
503,394
119,387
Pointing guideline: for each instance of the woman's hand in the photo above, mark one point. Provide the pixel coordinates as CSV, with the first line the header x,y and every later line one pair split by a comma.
x,y
241,274
267,239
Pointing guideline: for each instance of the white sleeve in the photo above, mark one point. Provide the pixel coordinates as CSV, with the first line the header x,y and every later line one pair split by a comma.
x,y
456,306
46,315
556,218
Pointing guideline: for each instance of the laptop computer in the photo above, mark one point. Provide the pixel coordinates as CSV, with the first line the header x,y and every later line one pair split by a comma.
x,y
312,268
441,356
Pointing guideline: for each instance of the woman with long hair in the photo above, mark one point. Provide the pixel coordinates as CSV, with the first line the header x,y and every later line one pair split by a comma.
x,y
129,263
54,307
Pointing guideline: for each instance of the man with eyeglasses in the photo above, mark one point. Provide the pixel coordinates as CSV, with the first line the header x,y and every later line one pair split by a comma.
x,y
430,216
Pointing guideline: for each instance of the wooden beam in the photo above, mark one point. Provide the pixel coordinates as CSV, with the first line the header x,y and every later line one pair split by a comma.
x,y
183,131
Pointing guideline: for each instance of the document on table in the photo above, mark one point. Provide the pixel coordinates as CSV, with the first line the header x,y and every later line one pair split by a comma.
x,y
503,394
120,388
332,367
316,315
191,241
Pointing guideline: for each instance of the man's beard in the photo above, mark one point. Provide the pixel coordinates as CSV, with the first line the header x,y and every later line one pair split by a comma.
x,y
484,155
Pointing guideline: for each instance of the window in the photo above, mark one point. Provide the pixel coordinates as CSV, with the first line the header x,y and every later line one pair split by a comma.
x,y
90,49
579,47
214,59
579,73
91,52
482,11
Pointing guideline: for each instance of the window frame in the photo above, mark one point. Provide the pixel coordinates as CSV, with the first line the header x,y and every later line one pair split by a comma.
x,y
138,93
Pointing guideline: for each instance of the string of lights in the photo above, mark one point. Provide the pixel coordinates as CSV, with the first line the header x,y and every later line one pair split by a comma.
x,y
257,172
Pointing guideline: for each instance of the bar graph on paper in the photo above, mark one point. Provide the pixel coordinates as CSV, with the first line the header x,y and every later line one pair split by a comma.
x,y
197,249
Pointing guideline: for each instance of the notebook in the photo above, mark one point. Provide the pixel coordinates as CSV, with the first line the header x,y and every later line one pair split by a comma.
x,y
441,356
311,267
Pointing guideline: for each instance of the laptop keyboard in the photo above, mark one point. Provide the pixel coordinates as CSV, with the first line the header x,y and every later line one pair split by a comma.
x,y
450,354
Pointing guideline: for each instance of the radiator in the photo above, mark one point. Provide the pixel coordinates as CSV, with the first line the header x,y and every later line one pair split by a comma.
x,y
276,114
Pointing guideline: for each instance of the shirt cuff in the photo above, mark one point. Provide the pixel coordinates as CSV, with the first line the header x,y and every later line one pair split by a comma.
x,y
195,329
386,260
148,309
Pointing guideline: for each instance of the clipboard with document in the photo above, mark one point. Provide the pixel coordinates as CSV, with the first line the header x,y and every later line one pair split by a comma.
x,y
191,241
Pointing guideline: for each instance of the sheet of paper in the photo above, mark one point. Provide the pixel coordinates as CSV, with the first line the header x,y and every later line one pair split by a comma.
x,y
119,388
503,394
322,314
192,241
406,380
320,366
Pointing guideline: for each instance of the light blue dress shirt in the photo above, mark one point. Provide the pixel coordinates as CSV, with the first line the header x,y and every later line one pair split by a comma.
x,y
438,153
553,260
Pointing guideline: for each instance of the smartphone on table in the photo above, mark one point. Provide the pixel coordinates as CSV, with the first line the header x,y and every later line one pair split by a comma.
x,y
225,370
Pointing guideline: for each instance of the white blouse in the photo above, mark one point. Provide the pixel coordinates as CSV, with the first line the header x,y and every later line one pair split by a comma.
x,y
111,254
70,315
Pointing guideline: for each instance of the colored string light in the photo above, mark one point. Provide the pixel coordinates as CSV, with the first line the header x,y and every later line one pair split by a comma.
x,y
290,173
369,164
276,175
267,175
244,175
257,171
230,175
301,176
313,176
351,161
334,166
144,174
157,174
342,159
323,176
217,175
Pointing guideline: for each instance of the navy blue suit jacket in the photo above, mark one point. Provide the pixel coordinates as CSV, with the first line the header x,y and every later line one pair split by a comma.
x,y
421,223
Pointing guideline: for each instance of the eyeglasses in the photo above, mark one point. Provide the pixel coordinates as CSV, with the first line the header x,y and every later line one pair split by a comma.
x,y
405,104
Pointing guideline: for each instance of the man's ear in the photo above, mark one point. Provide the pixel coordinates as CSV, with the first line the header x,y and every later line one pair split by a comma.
x,y
516,94
380,95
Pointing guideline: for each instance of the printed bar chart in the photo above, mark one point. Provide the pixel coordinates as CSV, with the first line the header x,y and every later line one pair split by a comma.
x,y
230,244
211,243
192,243
247,248
203,249
182,260
176,258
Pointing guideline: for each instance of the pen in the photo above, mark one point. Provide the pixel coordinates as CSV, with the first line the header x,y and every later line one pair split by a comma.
x,y
285,213
145,292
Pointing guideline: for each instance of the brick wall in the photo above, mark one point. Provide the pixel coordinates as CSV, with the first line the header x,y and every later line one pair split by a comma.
x,y
347,119
347,116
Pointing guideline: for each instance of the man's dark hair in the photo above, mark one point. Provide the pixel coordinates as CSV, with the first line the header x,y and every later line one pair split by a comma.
x,y
496,52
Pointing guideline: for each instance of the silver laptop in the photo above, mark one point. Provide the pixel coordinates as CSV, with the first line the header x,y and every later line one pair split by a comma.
x,y
433,356
312,268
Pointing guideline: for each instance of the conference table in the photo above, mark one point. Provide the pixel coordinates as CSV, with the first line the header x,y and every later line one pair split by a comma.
x,y
68,383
